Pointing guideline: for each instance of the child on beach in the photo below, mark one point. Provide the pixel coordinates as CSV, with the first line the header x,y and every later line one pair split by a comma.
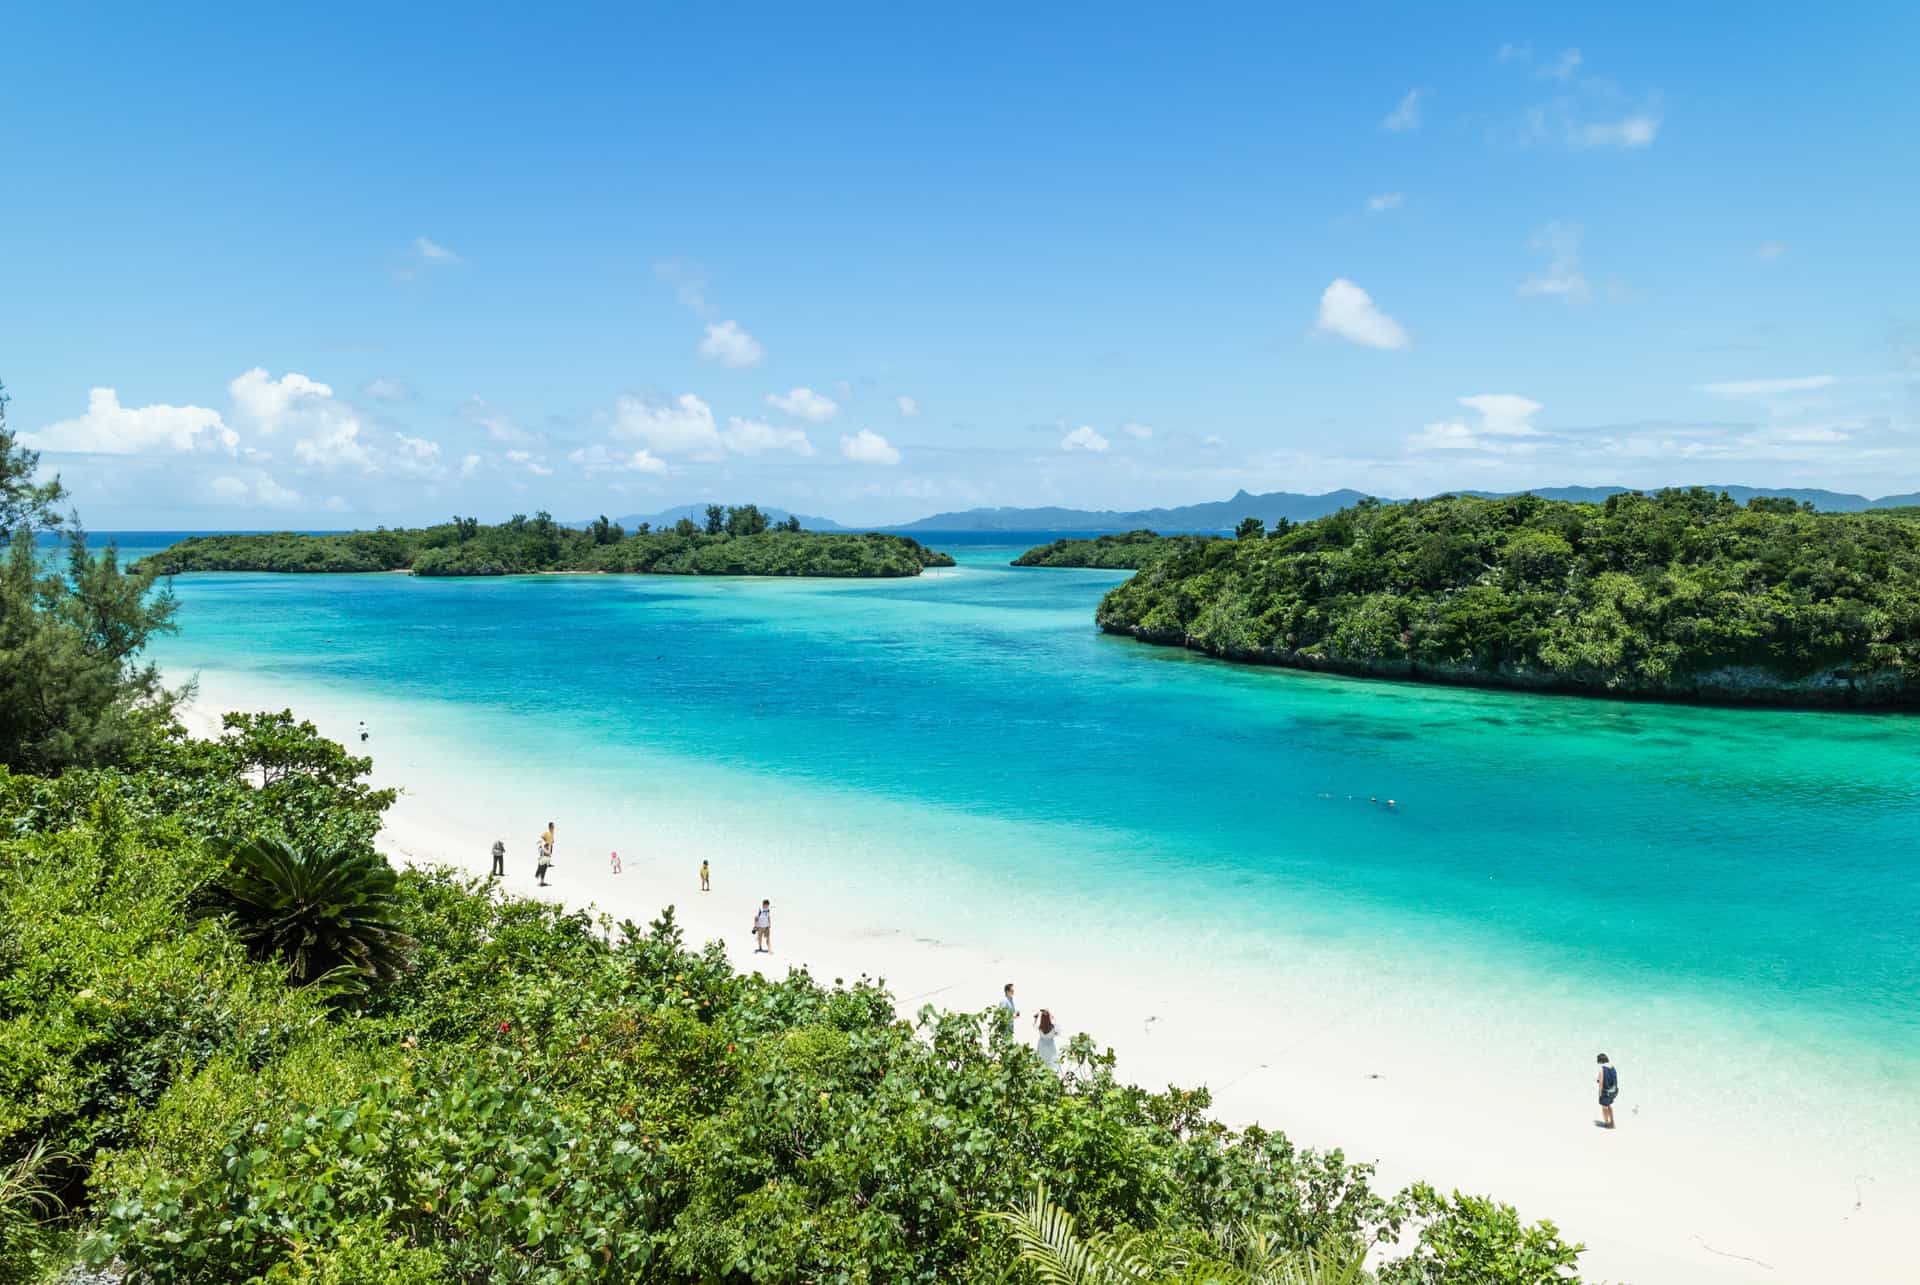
x,y
614,860
704,886
763,929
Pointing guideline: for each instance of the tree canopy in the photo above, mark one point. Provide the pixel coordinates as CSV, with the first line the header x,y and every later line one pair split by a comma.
x,y
738,542
1679,594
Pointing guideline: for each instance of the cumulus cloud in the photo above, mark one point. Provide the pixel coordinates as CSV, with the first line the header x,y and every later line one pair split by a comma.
x,y
469,465
530,462
498,425
1742,389
1502,418
1137,430
417,457
682,427
1385,201
1405,116
598,459
108,428
1348,311
1560,242
868,447
757,437
729,345
907,406
271,402
804,403
1084,438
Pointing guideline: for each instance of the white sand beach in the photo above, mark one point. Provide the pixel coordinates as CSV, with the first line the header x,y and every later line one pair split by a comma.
x,y
1451,1097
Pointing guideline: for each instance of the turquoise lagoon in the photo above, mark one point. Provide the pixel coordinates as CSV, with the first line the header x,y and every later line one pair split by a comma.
x,y
1737,886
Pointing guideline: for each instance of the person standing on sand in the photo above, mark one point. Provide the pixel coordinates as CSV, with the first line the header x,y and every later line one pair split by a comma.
x,y
1006,1000
1045,1046
499,859
546,856
1609,1083
704,885
763,929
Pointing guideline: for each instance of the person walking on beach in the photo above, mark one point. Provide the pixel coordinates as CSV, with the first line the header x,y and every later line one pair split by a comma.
x,y
704,885
1045,1046
1609,1083
546,856
1006,1000
614,862
499,859
763,928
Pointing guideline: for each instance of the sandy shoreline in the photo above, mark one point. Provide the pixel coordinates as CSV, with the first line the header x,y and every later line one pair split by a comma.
x,y
1659,1200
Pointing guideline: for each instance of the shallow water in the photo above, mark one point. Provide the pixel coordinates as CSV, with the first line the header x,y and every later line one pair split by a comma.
x,y
1711,889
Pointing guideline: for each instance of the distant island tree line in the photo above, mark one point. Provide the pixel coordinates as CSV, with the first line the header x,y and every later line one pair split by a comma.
x,y
736,540
1681,594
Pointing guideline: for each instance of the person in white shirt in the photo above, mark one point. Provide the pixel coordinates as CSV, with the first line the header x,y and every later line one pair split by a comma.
x,y
1006,1000
763,928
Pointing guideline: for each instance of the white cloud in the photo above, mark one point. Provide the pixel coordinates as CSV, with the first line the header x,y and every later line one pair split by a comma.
x,y
271,402
499,425
1385,201
108,428
868,447
433,252
1404,117
598,459
530,462
683,426
1084,438
1560,242
1503,418
804,403
262,491
1348,311
729,345
417,457
1563,67
1769,250
1629,132
385,389
469,465
757,437
908,406
1740,389
1137,430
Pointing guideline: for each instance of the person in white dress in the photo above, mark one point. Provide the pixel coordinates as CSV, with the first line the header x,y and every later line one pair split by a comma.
x,y
1046,1045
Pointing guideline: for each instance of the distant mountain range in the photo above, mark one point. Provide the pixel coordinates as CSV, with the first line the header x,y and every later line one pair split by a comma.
x,y
1224,515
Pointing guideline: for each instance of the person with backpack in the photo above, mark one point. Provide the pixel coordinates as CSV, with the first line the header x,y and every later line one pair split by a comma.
x,y
1609,1083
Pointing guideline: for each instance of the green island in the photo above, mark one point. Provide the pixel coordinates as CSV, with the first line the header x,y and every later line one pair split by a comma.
x,y
1681,594
735,541
236,1044
1123,552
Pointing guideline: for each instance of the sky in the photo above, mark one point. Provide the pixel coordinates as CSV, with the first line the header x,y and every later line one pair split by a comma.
x,y
321,267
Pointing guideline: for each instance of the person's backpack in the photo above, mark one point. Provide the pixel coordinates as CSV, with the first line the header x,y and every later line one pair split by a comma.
x,y
1610,1078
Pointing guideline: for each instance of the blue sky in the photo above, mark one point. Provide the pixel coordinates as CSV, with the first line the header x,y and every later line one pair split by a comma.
x,y
369,264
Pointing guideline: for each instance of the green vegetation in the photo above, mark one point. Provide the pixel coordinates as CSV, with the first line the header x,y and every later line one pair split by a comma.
x,y
1682,594
1128,552
536,1095
734,542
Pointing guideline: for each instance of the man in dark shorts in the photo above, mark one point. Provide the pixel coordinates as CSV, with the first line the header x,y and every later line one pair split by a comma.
x,y
1609,1082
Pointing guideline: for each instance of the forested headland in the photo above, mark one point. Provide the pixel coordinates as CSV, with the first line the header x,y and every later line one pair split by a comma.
x,y
1128,551
236,1044
736,541
1682,594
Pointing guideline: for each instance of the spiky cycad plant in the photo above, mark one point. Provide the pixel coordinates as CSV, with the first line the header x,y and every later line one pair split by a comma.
x,y
328,910
1243,1254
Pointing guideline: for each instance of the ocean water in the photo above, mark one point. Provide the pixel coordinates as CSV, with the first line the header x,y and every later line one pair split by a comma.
x,y
1723,893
